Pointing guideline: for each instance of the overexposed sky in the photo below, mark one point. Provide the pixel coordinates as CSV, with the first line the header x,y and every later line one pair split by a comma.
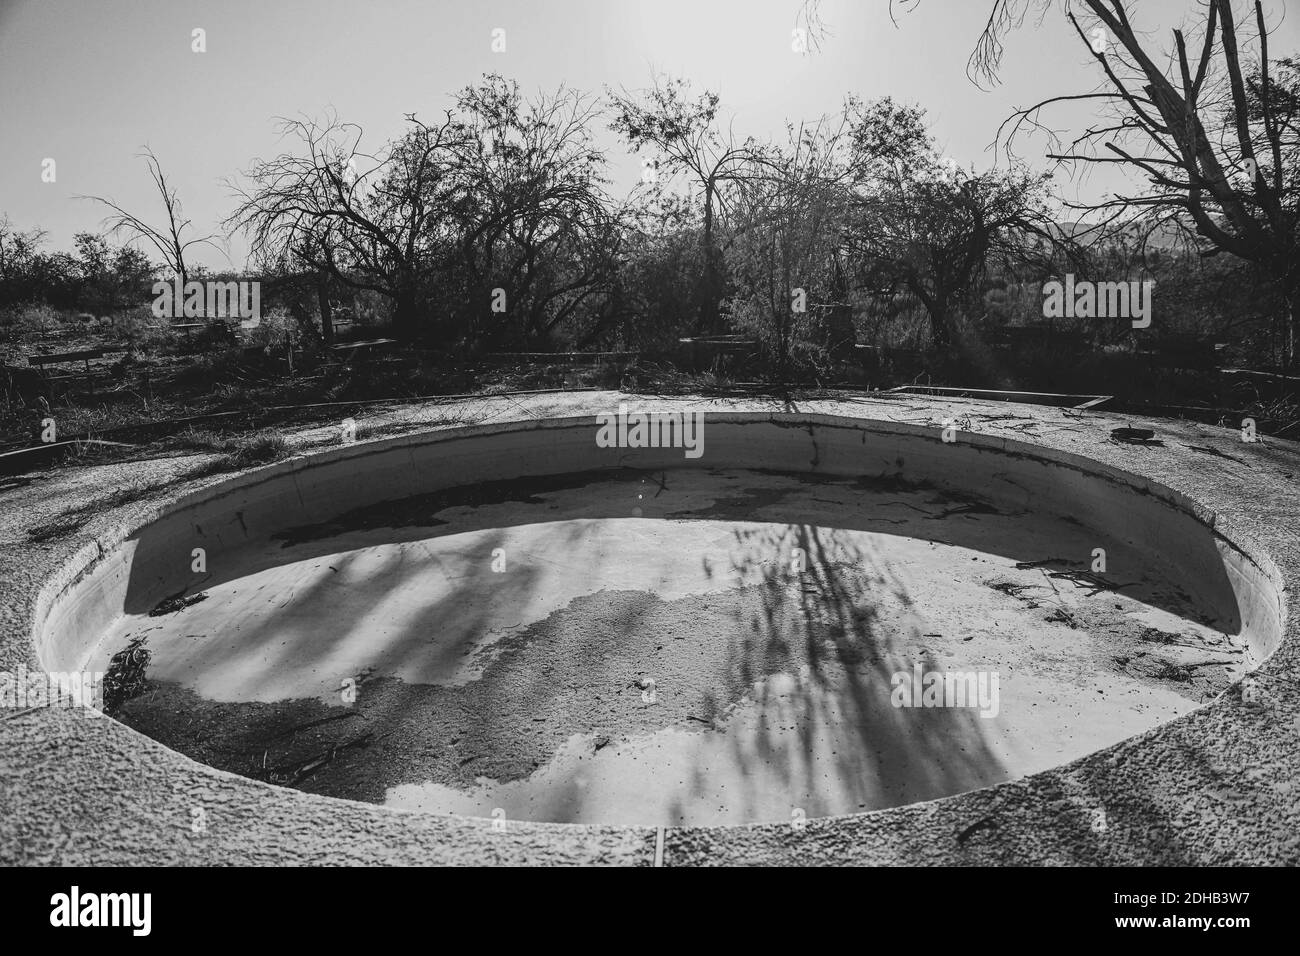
x,y
88,82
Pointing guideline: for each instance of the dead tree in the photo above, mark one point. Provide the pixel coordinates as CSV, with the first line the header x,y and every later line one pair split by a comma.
x,y
168,240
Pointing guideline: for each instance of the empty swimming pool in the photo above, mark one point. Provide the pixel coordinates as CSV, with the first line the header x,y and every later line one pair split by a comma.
x,y
815,616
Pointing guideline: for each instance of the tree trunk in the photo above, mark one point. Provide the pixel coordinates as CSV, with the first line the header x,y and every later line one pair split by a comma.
x,y
940,330
707,316
940,318
306,327
1290,327
406,319
841,335
326,311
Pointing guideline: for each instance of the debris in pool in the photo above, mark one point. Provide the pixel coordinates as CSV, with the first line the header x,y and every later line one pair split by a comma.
x,y
296,775
125,677
1085,579
1010,589
177,602
1061,616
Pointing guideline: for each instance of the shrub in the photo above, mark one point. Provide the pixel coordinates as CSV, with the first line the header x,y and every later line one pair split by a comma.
x,y
276,323
35,319
259,448
237,452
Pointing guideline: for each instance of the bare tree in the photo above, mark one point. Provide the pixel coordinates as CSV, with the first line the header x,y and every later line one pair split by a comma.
x,y
933,231
368,220
16,248
1210,133
791,224
534,220
787,222
684,132
1204,123
502,194
168,240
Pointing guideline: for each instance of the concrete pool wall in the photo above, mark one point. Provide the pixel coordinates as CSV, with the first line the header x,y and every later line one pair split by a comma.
x,y
1218,785
1239,591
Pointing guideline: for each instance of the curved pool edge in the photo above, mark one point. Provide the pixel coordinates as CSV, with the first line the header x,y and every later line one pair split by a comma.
x,y
1213,786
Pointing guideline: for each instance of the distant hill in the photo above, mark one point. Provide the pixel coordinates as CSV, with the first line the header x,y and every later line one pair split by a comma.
x,y
1165,236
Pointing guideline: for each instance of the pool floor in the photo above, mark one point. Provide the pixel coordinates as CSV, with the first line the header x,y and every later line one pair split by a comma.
x,y
689,647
